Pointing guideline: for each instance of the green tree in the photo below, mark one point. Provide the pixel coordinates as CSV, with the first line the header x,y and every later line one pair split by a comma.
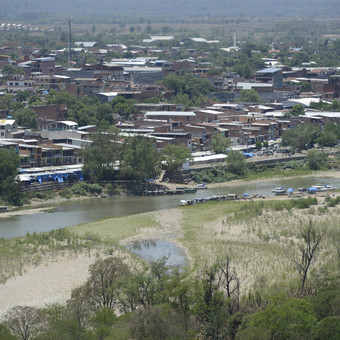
x,y
173,156
123,109
258,145
189,90
103,322
297,110
5,334
327,329
306,86
249,96
9,70
327,139
147,287
102,155
24,321
26,118
236,163
139,158
161,322
59,97
23,96
316,159
219,143
9,187
103,285
211,306
300,137
291,319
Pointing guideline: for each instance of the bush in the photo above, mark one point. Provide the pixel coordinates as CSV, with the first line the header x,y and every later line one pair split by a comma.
x,y
83,188
65,193
94,188
44,195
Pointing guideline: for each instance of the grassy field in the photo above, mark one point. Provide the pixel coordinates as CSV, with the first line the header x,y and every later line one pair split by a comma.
x,y
260,236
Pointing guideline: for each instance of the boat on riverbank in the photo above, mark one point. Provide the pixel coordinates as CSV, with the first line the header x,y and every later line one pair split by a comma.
x,y
201,186
278,189
280,192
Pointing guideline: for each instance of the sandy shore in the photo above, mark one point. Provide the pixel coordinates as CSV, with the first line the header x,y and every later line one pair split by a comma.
x,y
50,282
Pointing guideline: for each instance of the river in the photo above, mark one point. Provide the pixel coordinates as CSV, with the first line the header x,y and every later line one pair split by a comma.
x,y
83,211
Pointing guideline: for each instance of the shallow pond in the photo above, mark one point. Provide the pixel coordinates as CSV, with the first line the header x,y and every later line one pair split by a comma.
x,y
153,250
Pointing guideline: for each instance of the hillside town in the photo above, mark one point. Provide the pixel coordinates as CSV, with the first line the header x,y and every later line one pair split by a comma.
x,y
170,170
248,109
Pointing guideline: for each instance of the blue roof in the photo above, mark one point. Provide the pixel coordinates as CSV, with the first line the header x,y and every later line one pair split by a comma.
x,y
269,70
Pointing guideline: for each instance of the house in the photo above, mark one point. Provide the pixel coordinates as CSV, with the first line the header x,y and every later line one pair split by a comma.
x,y
270,75
183,116
19,83
7,126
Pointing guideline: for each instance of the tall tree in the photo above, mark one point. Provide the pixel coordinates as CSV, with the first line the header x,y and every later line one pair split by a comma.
x,y
23,321
9,187
236,163
139,158
219,143
300,137
103,286
173,156
101,157
26,117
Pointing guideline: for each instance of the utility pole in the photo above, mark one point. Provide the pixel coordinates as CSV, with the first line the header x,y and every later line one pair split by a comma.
x,y
69,40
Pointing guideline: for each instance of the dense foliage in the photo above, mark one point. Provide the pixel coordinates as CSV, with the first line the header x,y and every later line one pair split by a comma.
x,y
9,187
159,304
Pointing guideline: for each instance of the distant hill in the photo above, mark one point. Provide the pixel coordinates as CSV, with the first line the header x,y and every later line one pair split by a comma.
x,y
40,10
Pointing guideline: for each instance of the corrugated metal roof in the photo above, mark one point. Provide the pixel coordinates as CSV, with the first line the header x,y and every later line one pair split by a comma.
x,y
170,113
269,70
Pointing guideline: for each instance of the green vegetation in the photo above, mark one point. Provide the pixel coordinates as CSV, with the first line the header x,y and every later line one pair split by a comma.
x,y
248,285
9,188
240,169
219,143
296,111
35,248
173,156
249,96
189,90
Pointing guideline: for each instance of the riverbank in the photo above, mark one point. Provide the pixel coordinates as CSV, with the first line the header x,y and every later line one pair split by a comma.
x,y
325,174
256,233
38,206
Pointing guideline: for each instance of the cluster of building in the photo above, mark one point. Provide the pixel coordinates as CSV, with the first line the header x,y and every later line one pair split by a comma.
x,y
58,141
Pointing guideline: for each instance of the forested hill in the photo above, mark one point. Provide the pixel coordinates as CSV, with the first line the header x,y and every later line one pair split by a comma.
x,y
36,9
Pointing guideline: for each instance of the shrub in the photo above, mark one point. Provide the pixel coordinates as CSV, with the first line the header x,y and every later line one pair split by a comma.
x,y
65,193
80,189
94,189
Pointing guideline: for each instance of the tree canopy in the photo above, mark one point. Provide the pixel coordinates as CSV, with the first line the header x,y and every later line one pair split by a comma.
x,y
249,96
300,137
219,143
174,156
9,187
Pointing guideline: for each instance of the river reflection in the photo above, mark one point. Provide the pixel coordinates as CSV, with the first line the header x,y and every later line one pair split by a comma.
x,y
153,250
88,210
